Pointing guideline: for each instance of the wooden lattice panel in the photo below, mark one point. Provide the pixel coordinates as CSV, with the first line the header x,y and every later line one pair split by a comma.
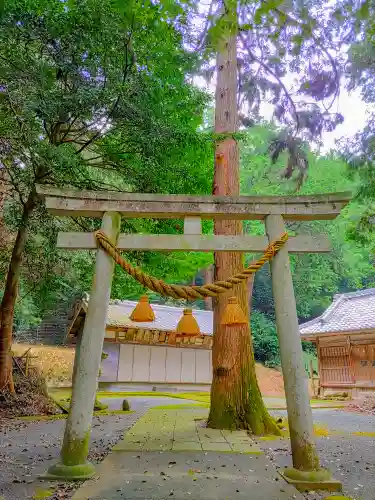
x,y
334,364
334,351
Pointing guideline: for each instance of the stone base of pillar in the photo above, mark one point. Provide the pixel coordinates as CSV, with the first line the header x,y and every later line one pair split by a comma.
x,y
320,479
69,472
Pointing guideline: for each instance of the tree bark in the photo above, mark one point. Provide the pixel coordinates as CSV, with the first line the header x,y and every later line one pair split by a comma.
x,y
9,298
236,401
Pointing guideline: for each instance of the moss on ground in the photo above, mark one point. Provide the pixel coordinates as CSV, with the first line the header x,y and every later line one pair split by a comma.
x,y
41,493
99,406
203,397
321,431
113,412
270,437
78,472
301,475
338,497
32,418
200,396
179,407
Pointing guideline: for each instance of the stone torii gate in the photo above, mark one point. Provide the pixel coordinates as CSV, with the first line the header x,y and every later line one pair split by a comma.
x,y
110,207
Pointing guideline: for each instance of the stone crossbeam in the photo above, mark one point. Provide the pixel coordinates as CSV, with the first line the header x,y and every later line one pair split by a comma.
x,y
195,243
68,202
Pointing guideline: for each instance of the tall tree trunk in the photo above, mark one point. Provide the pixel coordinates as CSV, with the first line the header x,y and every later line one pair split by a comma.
x,y
236,401
10,296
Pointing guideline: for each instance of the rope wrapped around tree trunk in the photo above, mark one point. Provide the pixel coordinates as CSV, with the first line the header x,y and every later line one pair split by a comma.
x,y
185,291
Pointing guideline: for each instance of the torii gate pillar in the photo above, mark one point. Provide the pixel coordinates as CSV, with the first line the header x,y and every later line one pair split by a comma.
x,y
73,462
295,379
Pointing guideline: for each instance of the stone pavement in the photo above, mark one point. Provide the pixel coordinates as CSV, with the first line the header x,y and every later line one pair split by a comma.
x,y
183,430
169,454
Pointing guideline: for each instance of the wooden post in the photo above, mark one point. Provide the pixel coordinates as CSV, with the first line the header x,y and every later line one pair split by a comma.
x,y
304,454
73,459
320,372
312,379
351,364
208,277
27,363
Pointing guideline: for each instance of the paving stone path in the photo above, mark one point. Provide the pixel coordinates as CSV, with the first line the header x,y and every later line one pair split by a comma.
x,y
169,430
169,454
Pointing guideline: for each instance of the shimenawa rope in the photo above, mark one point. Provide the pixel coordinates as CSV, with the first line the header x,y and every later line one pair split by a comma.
x,y
185,291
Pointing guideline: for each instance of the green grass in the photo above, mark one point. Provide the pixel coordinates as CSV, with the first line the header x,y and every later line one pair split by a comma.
x,y
60,394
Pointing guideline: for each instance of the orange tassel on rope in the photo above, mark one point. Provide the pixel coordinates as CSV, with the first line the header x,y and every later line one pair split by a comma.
x,y
188,324
233,314
143,311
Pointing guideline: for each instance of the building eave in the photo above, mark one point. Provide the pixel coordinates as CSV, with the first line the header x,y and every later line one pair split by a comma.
x,y
342,333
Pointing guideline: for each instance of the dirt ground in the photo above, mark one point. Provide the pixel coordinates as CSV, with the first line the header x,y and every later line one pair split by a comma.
x,y
55,363
271,382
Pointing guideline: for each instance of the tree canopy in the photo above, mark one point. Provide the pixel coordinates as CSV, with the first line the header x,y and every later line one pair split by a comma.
x,y
86,102
316,277
75,110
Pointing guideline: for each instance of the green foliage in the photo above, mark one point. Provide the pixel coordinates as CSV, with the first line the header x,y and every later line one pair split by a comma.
x,y
94,94
316,277
265,341
359,150
273,42
85,102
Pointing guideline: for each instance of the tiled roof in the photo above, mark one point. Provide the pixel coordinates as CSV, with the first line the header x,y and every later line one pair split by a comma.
x,y
348,312
166,317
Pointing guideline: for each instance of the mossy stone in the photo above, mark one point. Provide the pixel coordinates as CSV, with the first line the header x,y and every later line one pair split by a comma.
x,y
125,405
303,475
70,472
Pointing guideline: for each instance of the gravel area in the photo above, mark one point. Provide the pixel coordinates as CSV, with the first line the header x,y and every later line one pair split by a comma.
x,y
28,449
351,459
